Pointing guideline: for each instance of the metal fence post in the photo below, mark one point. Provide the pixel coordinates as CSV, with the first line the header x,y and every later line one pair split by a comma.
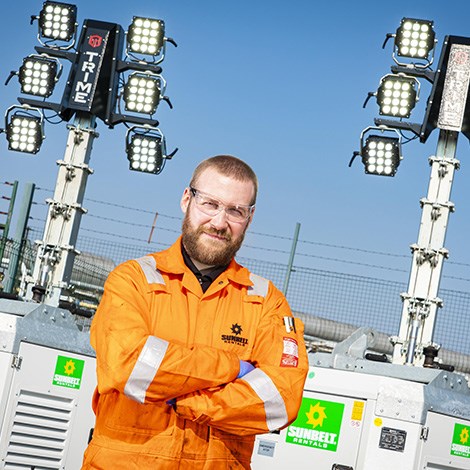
x,y
291,259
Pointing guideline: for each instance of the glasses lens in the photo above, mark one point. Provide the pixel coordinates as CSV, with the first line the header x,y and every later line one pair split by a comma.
x,y
236,214
212,207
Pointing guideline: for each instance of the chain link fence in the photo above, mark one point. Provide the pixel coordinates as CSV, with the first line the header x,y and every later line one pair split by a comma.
x,y
366,301
344,298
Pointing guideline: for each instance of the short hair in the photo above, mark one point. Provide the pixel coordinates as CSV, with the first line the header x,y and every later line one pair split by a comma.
x,y
227,165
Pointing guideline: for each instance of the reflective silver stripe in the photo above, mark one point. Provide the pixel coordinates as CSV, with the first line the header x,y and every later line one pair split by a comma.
x,y
276,414
260,285
145,368
149,267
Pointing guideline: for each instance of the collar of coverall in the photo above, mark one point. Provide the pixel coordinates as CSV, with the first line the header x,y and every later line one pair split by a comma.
x,y
205,276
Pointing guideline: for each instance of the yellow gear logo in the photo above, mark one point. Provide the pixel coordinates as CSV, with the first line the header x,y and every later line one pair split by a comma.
x,y
69,367
316,415
464,436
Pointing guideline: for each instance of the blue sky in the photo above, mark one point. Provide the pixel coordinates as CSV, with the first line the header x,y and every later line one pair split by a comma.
x,y
281,85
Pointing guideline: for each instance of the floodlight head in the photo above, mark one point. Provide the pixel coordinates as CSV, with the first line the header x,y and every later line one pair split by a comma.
x,y
146,149
38,75
146,36
414,39
380,154
57,21
142,92
397,95
24,129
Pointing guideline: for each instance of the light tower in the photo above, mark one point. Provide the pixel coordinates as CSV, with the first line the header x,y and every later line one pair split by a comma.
x,y
110,70
448,110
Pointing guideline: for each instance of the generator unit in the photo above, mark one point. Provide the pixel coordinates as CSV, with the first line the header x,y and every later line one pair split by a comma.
x,y
47,378
357,414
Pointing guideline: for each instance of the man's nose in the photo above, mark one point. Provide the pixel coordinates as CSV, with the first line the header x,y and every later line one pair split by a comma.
x,y
220,221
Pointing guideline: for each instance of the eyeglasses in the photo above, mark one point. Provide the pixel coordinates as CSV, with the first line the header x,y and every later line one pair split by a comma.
x,y
211,206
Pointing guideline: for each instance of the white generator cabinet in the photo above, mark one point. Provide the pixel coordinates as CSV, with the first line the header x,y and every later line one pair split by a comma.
x,y
47,378
363,415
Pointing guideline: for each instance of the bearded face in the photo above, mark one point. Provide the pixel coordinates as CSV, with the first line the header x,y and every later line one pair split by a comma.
x,y
208,245
212,237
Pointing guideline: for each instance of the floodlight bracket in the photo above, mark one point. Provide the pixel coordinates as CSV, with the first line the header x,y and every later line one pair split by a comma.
x,y
56,107
117,118
415,128
56,47
379,127
126,65
427,74
145,129
25,107
414,64
57,53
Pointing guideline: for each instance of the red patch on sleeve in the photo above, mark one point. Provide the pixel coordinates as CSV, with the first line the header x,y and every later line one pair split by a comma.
x,y
290,353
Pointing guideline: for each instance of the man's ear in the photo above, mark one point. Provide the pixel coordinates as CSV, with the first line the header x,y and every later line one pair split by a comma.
x,y
185,198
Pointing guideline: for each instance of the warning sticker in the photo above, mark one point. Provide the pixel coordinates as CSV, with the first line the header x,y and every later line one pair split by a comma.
x,y
357,411
68,372
460,441
290,353
318,424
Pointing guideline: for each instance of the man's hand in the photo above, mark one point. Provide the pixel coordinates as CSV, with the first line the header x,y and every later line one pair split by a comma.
x,y
245,367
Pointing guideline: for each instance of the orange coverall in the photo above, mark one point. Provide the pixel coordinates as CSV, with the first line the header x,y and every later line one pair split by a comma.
x,y
157,336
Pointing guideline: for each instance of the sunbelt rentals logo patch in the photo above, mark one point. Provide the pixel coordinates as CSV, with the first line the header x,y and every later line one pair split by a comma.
x,y
461,441
68,372
318,424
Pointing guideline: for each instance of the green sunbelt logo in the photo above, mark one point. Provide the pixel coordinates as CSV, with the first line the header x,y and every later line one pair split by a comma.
x,y
317,425
460,441
68,372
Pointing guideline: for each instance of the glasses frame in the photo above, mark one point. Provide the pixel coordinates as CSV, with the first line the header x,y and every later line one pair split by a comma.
x,y
195,193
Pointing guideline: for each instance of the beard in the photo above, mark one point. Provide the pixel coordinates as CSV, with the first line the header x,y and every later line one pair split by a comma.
x,y
210,252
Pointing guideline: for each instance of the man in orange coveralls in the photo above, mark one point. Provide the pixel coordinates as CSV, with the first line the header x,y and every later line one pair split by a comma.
x,y
195,354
